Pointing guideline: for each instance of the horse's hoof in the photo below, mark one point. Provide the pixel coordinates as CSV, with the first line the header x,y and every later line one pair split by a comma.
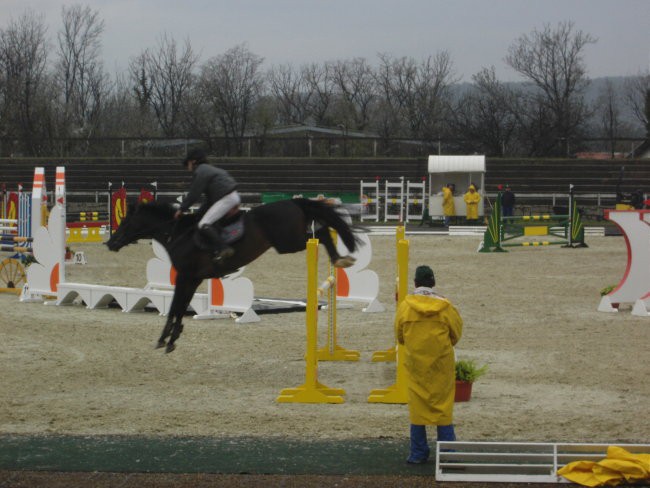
x,y
170,348
160,344
344,262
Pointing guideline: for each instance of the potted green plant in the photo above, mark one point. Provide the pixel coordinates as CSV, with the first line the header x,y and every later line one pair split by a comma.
x,y
467,371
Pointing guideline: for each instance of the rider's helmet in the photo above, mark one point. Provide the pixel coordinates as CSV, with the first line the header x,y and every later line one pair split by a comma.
x,y
197,155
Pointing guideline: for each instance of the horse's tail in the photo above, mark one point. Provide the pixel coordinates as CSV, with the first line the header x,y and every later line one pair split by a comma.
x,y
329,215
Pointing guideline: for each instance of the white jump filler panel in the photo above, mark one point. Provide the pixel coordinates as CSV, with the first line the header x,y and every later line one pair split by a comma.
x,y
634,287
356,283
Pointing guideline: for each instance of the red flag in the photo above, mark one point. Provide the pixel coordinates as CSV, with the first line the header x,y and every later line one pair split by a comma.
x,y
145,196
118,206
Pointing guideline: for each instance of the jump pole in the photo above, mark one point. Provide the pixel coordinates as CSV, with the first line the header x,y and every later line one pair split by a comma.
x,y
44,276
15,249
21,224
401,289
311,391
333,351
15,237
397,392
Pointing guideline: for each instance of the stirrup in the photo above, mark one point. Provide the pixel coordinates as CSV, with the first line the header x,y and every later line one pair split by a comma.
x,y
224,253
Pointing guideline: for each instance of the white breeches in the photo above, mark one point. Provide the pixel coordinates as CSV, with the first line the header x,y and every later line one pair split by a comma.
x,y
220,208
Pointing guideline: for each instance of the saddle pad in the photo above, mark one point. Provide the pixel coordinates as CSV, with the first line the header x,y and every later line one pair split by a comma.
x,y
229,234
233,232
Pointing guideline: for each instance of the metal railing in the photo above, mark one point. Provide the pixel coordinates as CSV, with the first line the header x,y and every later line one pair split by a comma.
x,y
592,205
263,145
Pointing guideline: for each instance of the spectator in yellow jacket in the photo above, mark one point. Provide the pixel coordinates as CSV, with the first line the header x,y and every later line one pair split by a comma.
x,y
428,326
472,198
448,207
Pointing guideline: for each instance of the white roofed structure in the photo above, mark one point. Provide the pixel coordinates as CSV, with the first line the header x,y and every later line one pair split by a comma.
x,y
456,164
462,171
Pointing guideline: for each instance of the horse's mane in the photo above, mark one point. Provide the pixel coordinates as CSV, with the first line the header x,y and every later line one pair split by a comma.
x,y
162,210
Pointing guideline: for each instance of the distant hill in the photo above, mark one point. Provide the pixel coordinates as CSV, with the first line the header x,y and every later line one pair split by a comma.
x,y
595,90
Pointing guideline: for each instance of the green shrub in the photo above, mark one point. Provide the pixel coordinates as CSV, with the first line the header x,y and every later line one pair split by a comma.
x,y
607,290
467,370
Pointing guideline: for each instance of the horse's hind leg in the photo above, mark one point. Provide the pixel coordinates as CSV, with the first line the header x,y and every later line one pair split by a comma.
x,y
165,332
325,238
176,332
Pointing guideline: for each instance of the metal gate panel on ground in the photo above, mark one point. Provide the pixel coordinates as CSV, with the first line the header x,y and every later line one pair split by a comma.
x,y
516,461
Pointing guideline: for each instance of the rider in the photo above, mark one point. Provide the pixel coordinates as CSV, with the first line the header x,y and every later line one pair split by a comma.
x,y
220,190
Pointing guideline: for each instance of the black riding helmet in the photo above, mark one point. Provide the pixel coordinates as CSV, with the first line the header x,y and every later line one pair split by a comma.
x,y
195,155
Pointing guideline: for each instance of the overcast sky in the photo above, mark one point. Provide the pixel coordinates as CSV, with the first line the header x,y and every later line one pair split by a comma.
x,y
476,33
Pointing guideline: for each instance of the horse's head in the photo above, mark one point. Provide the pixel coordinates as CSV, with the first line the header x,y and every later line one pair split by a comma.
x,y
142,221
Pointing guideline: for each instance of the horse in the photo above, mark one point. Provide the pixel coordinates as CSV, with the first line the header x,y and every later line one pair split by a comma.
x,y
285,225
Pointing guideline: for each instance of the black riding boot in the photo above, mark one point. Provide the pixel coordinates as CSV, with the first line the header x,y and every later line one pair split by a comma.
x,y
221,250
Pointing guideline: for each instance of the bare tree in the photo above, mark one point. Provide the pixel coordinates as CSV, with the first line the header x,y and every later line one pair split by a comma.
x,y
609,115
80,72
416,96
338,93
320,89
161,79
291,92
24,104
122,115
434,80
355,84
484,116
552,60
637,98
231,84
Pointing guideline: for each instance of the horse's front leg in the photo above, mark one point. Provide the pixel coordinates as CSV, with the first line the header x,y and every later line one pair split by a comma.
x,y
183,293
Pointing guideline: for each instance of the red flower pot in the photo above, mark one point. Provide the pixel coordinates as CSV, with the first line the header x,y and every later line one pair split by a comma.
x,y
463,391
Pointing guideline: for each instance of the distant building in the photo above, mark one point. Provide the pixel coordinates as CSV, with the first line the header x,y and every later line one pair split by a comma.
x,y
340,131
600,155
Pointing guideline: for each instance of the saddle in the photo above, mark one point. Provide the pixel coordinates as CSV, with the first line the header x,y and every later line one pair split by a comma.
x,y
230,228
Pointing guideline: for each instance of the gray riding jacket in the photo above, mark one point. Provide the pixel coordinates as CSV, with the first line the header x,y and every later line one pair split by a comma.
x,y
210,181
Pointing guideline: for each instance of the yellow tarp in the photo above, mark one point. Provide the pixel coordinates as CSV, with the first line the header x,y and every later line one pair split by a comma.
x,y
619,466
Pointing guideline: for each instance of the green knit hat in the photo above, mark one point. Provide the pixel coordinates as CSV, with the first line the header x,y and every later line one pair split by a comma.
x,y
424,274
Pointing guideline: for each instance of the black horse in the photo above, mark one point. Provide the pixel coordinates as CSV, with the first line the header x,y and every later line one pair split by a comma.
x,y
284,225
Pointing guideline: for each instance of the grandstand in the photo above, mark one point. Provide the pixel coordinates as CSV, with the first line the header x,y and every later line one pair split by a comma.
x,y
260,176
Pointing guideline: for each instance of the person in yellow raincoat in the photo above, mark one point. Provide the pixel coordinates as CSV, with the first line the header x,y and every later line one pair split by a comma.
x,y
428,326
448,207
472,198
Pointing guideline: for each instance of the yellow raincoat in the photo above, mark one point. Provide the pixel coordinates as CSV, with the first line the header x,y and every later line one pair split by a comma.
x,y
620,466
428,326
471,203
448,207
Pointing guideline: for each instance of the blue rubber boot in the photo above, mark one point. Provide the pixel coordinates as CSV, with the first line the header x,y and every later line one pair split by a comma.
x,y
419,446
446,434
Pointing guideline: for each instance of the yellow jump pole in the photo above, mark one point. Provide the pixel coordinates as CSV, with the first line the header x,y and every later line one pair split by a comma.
x,y
390,354
398,392
333,351
311,391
